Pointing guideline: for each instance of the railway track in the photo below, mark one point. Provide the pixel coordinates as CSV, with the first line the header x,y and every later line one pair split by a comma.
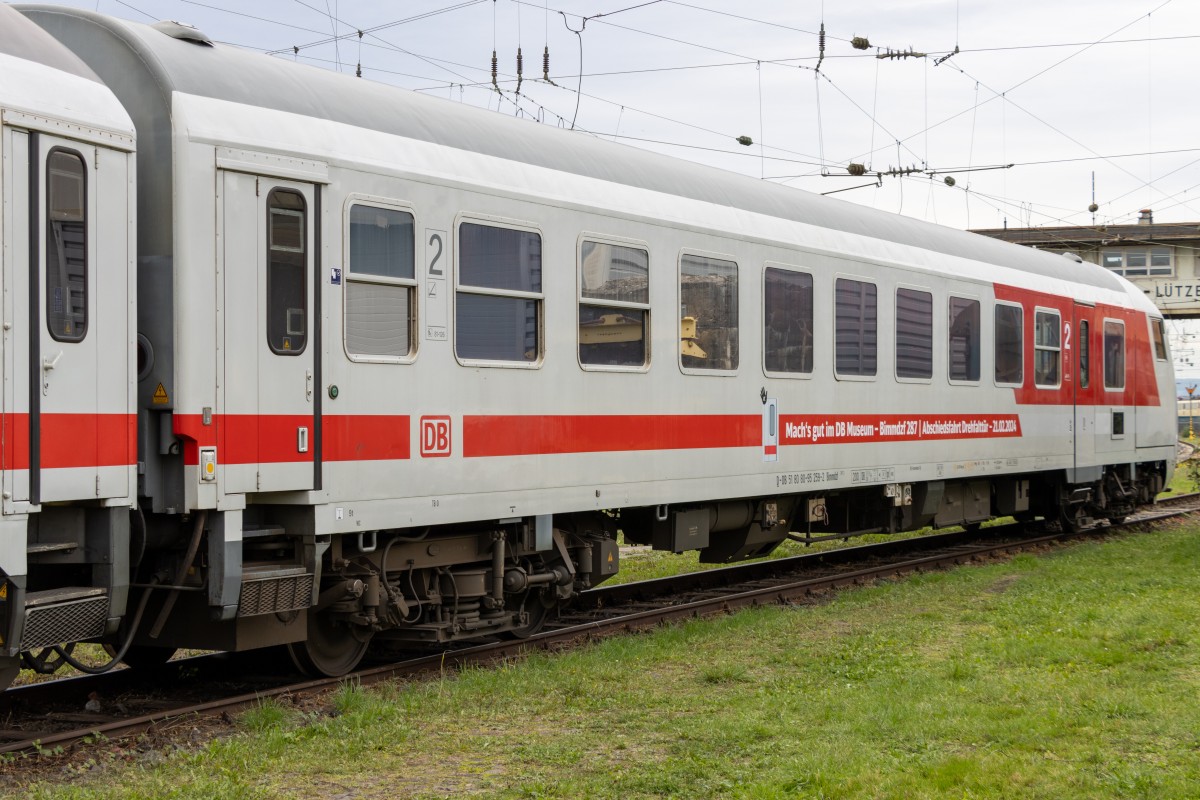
x,y
57,715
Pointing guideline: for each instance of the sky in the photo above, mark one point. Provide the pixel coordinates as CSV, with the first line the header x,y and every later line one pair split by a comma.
x,y
1070,93
1087,100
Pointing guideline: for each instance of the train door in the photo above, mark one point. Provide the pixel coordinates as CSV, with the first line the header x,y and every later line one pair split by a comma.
x,y
67,359
267,440
15,450
1086,375
1156,424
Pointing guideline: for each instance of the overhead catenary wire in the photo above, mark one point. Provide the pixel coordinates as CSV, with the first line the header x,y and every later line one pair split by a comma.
x,y
359,33
1022,82
138,10
337,50
545,5
769,151
762,164
373,29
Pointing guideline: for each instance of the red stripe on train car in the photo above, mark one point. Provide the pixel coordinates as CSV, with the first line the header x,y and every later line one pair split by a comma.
x,y
365,437
16,441
507,435
72,440
273,439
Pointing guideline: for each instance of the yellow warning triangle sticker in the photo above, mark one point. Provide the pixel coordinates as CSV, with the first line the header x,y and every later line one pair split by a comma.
x,y
160,396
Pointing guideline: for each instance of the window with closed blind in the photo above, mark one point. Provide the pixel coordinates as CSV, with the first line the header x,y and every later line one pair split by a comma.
x,y
380,299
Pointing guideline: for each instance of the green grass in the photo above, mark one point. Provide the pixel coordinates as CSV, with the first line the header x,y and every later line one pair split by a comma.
x,y
645,564
1071,675
1186,478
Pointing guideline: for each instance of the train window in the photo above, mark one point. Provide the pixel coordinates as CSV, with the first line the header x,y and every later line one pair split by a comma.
x,y
856,327
1047,348
1085,353
964,339
1114,354
380,283
1010,366
708,311
914,334
498,301
1160,339
787,321
614,305
287,288
66,246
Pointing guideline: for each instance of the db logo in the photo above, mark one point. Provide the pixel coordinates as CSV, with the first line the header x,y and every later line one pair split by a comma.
x,y
435,437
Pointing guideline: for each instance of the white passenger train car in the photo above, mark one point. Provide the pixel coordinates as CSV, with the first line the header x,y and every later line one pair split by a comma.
x,y
67,446
405,366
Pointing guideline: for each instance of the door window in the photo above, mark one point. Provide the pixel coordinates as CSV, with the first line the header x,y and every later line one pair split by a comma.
x,y
66,246
287,289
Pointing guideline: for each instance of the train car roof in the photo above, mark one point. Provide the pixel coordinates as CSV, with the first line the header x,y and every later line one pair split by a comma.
x,y
224,72
21,38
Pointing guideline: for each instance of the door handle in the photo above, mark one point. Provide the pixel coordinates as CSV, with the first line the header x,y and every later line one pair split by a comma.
x,y
47,365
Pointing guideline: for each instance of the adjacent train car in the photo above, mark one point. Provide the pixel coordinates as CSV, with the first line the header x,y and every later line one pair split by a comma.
x,y
67,443
404,367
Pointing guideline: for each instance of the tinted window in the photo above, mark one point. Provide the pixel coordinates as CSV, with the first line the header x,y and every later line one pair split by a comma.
x,y
380,285
964,339
708,292
788,321
914,334
1160,339
856,327
1085,353
1047,333
488,325
614,307
1114,355
287,289
1010,362
66,246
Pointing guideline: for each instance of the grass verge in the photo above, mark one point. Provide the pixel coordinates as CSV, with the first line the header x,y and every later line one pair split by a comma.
x,y
1071,675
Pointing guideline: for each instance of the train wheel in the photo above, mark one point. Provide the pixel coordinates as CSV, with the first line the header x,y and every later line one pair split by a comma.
x,y
535,606
9,667
332,648
1070,518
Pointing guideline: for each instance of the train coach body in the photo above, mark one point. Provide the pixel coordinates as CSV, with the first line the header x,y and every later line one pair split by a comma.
x,y
67,446
399,360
